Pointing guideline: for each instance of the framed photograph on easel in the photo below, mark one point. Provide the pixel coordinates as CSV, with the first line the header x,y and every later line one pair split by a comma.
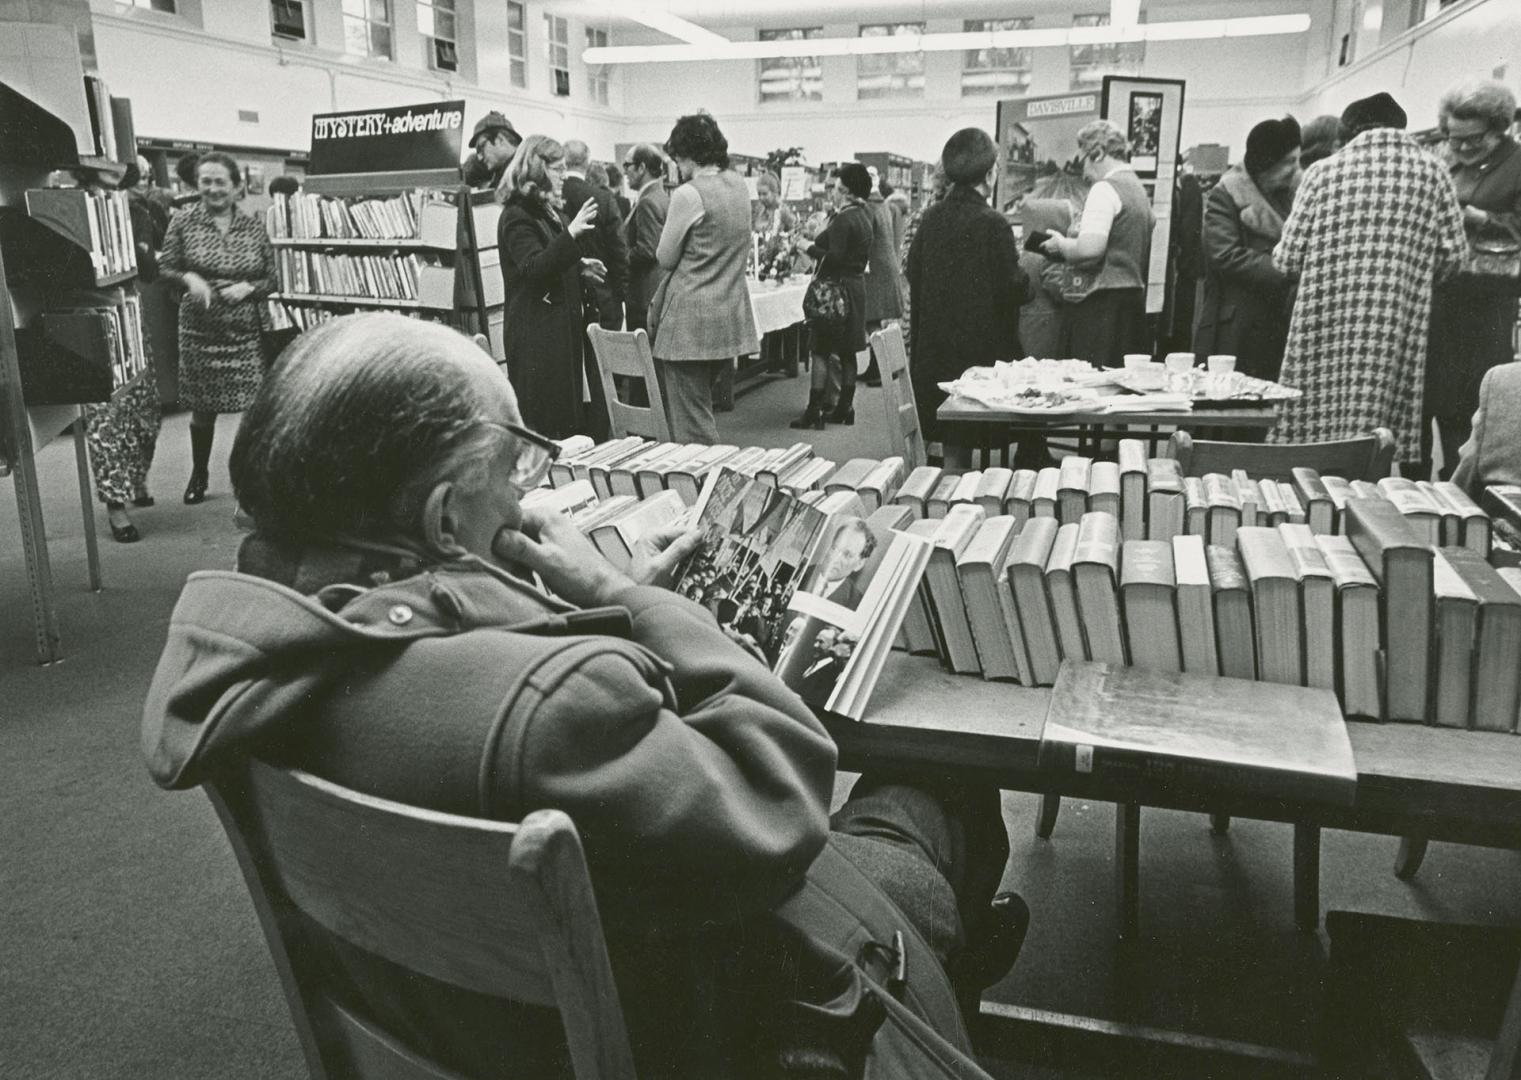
x,y
1150,112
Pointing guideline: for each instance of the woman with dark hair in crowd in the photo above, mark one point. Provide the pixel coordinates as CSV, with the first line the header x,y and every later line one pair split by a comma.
x,y
1248,300
542,269
702,314
224,259
1471,325
842,250
1319,139
964,281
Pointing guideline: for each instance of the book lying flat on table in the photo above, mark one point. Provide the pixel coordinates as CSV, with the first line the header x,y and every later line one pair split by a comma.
x,y
1199,732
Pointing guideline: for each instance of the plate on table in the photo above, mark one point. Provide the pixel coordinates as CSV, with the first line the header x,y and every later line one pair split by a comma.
x,y
1033,403
1232,390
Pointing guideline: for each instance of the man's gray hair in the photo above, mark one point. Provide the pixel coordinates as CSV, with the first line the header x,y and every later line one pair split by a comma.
x,y
1104,135
577,154
358,420
1485,100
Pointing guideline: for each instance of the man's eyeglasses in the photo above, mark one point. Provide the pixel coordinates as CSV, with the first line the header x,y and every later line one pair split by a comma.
x,y
535,454
1466,142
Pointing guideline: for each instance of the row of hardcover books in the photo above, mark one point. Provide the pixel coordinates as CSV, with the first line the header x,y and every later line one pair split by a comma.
x,y
110,222
121,327
379,277
307,216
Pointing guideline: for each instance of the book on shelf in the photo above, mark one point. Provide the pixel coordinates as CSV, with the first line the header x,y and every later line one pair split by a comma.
x,y
1455,623
1061,587
878,487
308,216
1451,530
566,499
849,475
1235,625
1275,605
1275,511
1201,732
1320,511
783,463
1164,499
619,535
687,479
977,567
1473,522
920,628
1104,488
1357,629
1317,604
1026,574
1223,509
956,531
1196,607
1072,488
620,476
1018,503
1496,670
1417,506
1401,560
917,487
97,222
1195,508
1248,496
1132,466
1045,495
1096,576
965,490
809,475
993,490
938,503
1148,586
1294,510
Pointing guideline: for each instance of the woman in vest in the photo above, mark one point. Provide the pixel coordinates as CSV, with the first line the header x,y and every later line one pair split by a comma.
x,y
1114,240
704,319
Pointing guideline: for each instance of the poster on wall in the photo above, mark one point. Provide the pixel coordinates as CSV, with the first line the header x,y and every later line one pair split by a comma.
x,y
1150,112
410,137
1037,149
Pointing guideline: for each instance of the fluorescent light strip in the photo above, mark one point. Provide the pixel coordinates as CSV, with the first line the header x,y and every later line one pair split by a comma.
x,y
1124,12
673,25
1191,30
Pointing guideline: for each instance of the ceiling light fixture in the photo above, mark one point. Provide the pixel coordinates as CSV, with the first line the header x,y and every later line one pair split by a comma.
x,y
1191,30
673,25
1124,12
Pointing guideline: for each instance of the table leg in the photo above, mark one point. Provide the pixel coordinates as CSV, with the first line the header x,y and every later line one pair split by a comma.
x,y
1307,876
87,503
1050,806
1412,852
1127,857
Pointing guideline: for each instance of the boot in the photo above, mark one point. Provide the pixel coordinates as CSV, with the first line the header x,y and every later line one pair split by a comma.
x,y
200,464
813,415
992,945
844,411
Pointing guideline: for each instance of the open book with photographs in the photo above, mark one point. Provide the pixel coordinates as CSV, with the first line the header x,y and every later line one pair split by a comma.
x,y
816,586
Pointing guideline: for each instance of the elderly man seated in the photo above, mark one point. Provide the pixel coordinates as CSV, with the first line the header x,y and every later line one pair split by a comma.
x,y
383,631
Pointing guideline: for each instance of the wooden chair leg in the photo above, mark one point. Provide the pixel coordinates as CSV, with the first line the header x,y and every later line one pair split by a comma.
x,y
1307,876
1408,862
1219,824
1127,872
1050,806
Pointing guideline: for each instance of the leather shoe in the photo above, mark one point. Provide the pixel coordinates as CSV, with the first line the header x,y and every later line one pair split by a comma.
x,y
195,491
125,534
992,945
144,501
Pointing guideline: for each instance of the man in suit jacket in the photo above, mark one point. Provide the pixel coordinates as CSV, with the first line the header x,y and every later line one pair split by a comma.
x,y
605,241
849,553
1492,454
645,168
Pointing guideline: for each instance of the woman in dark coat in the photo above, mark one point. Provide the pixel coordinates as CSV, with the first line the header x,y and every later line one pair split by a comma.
x,y
1248,300
542,269
1471,326
843,249
964,280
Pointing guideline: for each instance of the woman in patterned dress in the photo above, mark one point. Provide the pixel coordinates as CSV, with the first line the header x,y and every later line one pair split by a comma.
x,y
226,263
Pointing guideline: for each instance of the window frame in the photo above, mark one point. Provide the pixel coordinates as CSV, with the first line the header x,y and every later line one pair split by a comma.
x,y
558,27
892,65
799,67
970,65
1125,58
598,76
517,45
369,22
300,7
435,8
153,6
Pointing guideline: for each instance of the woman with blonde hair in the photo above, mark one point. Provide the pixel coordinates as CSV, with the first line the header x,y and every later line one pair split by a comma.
x,y
1471,321
542,270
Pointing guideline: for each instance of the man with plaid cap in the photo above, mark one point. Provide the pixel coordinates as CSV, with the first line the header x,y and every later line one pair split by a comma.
x,y
494,141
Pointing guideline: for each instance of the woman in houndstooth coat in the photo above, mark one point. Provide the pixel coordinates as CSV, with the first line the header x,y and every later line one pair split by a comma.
x,y
1372,229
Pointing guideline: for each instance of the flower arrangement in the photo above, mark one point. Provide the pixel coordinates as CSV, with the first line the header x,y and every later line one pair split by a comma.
x,y
781,254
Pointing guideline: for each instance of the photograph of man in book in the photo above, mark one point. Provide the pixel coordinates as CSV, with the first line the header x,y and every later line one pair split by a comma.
x,y
814,654
838,576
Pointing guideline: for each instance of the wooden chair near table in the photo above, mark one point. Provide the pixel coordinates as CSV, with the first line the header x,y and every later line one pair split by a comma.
x,y
500,909
902,410
626,356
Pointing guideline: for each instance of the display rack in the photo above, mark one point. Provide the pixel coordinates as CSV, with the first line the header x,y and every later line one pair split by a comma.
x,y
70,324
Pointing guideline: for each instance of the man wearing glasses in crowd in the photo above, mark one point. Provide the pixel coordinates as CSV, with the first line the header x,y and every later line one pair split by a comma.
x,y
384,631
644,166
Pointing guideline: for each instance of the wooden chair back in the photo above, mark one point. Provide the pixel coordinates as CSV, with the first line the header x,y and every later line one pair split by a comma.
x,y
626,355
1370,457
903,428
492,907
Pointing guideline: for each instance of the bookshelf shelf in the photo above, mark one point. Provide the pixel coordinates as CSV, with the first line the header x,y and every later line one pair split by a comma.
x,y
413,244
355,301
115,279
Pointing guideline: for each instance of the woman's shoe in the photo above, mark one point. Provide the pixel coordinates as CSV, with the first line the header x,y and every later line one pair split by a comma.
x,y
844,411
813,415
123,531
195,491
143,501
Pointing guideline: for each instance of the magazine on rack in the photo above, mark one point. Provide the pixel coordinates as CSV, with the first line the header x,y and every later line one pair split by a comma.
x,y
819,590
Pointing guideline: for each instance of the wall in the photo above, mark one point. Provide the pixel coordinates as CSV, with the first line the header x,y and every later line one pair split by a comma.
x,y
1472,39
1231,85
198,79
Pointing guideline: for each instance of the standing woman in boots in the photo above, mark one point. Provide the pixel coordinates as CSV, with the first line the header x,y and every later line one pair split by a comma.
x,y
842,251
225,261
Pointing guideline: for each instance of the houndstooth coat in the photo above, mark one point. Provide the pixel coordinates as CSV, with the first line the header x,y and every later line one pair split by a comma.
x,y
1372,228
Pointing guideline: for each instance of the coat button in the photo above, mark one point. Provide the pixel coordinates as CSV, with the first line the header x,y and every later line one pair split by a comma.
x,y
400,615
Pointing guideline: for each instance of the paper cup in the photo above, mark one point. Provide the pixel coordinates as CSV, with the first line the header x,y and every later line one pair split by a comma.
x,y
1137,360
1221,365
1179,361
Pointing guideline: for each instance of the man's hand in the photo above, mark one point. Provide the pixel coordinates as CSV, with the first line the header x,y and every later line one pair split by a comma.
x,y
657,555
569,564
1473,217
237,292
1055,247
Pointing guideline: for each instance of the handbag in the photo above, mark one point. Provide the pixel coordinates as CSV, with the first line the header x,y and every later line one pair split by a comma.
x,y
826,303
1494,263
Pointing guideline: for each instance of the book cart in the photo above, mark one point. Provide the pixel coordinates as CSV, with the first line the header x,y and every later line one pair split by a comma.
x,y
70,322
384,224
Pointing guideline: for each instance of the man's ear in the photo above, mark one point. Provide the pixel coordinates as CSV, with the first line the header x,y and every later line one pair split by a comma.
x,y
440,527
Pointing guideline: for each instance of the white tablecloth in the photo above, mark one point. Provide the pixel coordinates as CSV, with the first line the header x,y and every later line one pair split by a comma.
x,y
777,307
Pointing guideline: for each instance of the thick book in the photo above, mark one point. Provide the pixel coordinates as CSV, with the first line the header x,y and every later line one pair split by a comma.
x,y
1248,496
687,481
1148,587
938,502
848,476
1195,509
1293,509
618,537
915,490
1018,503
1338,490
879,486
1423,514
1402,562
1164,499
1028,556
956,530
965,490
1104,489
1317,604
1497,652
1196,607
1199,732
1096,571
977,568
1275,511
921,633
620,476
1357,631
1452,523
1062,589
650,475
1320,512
1072,488
809,475
992,490
1275,605
772,472
1474,532
1043,499
1235,630
1455,624
1132,463
1224,509
570,498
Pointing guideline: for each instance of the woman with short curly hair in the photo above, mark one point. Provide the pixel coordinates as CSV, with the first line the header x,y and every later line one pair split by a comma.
x,y
1470,325
541,271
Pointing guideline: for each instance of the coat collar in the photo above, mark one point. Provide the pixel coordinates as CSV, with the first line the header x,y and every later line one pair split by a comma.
x,y
1257,211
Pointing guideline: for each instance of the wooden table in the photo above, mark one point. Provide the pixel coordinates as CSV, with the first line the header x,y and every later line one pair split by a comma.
x,y
1436,783
1091,426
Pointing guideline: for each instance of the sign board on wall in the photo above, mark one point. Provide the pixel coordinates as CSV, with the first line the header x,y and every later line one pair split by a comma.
x,y
1150,112
795,183
402,139
1037,148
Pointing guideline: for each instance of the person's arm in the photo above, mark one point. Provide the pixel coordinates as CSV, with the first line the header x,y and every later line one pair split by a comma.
x,y
524,251
1227,254
614,250
171,260
268,280
1014,280
685,211
1294,244
644,236
1466,474
787,218
1092,243
1452,239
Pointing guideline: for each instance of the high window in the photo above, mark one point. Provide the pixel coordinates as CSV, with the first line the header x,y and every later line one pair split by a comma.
x,y
1090,63
890,75
996,71
791,78
439,26
367,28
517,43
559,55
167,6
287,19
596,74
